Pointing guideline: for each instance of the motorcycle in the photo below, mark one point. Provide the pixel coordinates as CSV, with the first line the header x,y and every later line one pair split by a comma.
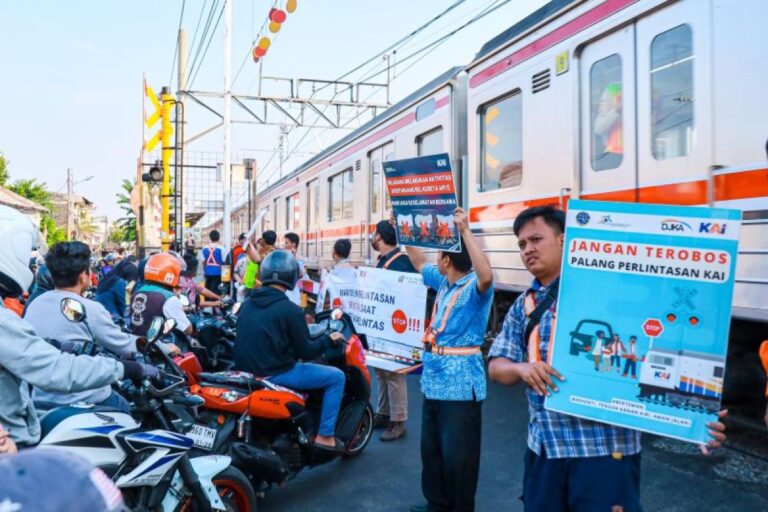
x,y
214,335
149,461
268,429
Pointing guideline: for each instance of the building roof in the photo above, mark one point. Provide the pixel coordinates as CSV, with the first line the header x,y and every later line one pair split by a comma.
x,y
14,200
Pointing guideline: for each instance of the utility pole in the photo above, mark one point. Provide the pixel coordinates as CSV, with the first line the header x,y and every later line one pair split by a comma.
x,y
69,202
167,153
226,173
180,136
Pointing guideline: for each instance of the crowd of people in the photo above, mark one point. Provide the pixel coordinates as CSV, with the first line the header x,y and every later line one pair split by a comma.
x,y
564,452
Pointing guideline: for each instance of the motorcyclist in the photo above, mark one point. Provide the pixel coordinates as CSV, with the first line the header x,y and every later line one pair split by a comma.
x,y
27,359
156,295
43,283
272,338
68,263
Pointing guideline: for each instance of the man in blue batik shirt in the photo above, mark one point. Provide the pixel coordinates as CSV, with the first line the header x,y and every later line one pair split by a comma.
x,y
572,464
453,381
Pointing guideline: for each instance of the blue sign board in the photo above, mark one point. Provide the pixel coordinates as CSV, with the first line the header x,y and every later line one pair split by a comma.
x,y
423,196
643,315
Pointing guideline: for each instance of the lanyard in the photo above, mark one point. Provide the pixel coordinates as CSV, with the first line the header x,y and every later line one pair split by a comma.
x,y
534,350
430,336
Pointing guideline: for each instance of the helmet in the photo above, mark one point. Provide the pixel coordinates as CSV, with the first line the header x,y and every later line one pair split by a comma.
x,y
17,239
164,269
279,267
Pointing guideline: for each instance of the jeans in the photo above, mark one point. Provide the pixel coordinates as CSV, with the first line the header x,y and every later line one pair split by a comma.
x,y
616,361
116,401
630,365
581,484
305,376
450,454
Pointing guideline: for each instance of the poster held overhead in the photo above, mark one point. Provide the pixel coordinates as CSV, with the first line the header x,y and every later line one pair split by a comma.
x,y
643,315
423,196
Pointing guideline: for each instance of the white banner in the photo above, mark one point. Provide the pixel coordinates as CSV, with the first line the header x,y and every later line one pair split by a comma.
x,y
385,305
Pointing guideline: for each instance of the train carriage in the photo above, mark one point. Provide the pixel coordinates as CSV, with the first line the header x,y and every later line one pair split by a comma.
x,y
655,101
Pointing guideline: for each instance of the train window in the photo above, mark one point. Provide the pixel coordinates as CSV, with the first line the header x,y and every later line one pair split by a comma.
x,y
312,203
375,185
502,143
292,211
340,188
605,98
426,109
672,93
430,143
388,203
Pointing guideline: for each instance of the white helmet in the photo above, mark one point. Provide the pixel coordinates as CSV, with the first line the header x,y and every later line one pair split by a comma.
x,y
17,239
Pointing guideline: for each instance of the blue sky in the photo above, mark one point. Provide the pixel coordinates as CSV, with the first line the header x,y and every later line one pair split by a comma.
x,y
71,91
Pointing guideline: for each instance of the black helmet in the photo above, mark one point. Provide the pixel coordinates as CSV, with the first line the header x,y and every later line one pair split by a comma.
x,y
279,267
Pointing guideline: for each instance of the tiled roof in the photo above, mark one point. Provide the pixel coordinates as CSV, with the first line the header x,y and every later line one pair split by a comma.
x,y
14,200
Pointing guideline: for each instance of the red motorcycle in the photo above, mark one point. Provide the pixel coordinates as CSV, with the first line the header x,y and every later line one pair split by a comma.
x,y
268,429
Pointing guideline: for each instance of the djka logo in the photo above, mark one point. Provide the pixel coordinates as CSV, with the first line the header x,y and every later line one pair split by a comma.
x,y
658,374
675,225
712,227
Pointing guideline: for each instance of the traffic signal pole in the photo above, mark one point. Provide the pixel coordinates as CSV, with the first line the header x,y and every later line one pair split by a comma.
x,y
167,153
227,171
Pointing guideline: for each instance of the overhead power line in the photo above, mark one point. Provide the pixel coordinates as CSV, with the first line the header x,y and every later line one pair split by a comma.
x,y
176,51
208,45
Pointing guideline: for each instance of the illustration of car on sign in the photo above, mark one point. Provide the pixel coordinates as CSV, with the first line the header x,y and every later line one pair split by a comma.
x,y
582,336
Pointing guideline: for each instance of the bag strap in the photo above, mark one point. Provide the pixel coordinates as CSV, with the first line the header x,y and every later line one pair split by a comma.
x,y
535,317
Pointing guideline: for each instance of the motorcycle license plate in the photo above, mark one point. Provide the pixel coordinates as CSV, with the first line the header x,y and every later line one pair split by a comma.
x,y
203,437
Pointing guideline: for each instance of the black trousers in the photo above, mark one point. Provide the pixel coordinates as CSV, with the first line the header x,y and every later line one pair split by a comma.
x,y
450,454
212,283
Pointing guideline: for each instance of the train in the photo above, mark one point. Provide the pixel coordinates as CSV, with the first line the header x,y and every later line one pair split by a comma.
x,y
682,379
652,101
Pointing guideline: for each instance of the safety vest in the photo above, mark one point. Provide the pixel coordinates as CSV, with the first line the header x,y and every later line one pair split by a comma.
x,y
764,360
251,273
212,265
147,303
534,350
392,259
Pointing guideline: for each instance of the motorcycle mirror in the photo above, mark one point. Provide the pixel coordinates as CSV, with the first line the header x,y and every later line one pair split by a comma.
x,y
168,325
73,310
184,300
236,307
154,329
337,314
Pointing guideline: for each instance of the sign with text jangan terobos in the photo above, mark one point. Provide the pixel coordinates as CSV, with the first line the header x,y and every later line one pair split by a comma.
x,y
424,198
388,307
643,315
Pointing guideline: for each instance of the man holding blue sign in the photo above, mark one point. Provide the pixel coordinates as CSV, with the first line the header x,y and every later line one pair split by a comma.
x,y
565,454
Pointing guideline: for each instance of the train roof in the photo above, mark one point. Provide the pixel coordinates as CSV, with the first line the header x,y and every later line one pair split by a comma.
x,y
390,112
687,353
522,26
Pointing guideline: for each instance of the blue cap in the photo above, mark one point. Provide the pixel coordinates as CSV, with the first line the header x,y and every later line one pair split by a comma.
x,y
51,480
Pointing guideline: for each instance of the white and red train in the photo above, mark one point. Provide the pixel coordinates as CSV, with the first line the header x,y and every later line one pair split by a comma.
x,y
654,101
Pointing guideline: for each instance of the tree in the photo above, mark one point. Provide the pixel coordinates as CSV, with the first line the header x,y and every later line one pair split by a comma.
x,y
116,233
4,176
128,222
36,192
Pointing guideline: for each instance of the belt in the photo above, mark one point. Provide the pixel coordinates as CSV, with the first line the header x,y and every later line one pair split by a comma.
x,y
439,350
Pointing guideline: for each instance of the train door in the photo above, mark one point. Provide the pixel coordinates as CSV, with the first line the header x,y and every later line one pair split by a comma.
x,y
607,99
674,104
378,199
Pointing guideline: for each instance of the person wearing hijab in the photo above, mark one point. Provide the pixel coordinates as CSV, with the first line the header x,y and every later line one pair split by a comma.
x,y
111,290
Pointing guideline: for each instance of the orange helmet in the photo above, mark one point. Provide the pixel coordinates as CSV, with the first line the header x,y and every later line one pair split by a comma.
x,y
163,268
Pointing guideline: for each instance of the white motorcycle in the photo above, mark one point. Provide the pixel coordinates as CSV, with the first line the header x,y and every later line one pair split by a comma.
x,y
149,462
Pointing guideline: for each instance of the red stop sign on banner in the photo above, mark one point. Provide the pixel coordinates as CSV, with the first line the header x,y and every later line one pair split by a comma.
x,y
653,328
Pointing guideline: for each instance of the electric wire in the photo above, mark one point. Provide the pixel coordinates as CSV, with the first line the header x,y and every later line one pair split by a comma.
x,y
210,39
176,51
204,34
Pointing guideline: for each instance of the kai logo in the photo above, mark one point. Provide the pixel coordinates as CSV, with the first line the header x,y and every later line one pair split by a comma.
x,y
675,225
712,227
658,374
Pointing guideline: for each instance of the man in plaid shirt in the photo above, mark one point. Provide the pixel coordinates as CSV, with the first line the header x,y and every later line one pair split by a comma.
x,y
571,464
